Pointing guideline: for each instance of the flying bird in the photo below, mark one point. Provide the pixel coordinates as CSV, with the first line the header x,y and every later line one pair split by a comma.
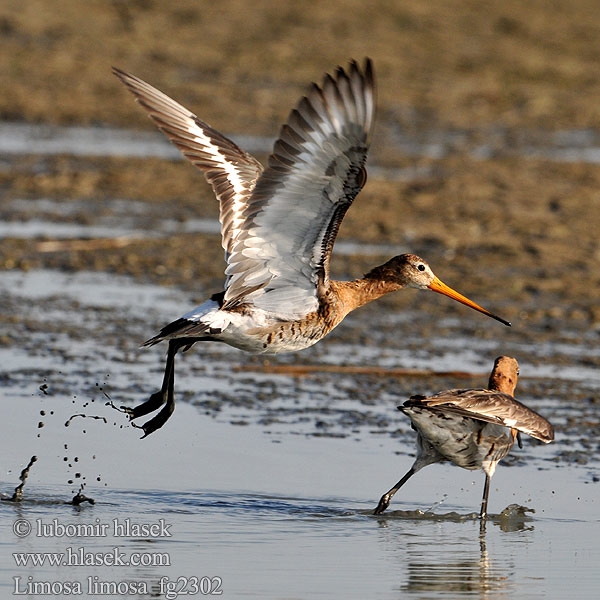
x,y
279,224
474,429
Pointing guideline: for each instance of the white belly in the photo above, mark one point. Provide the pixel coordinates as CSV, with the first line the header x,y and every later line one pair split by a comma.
x,y
257,332
257,341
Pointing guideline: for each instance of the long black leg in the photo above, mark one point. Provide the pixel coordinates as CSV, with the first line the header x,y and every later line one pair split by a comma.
x,y
164,395
163,416
385,499
484,501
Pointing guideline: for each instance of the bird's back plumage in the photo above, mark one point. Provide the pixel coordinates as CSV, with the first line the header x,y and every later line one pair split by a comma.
x,y
489,406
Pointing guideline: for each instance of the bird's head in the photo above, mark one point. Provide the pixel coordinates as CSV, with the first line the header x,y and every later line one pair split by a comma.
x,y
412,271
504,375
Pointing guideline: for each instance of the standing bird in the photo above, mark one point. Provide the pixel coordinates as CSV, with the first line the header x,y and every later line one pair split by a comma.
x,y
278,226
474,429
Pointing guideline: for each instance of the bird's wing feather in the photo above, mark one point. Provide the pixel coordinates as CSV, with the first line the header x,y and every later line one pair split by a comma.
x,y
280,259
489,406
231,172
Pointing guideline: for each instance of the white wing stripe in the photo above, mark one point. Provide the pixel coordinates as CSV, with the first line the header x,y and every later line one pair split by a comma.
x,y
232,172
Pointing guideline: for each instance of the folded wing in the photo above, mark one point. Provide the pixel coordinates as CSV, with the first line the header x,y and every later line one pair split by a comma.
x,y
489,406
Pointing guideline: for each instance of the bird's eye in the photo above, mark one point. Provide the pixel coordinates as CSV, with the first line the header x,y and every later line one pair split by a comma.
x,y
421,267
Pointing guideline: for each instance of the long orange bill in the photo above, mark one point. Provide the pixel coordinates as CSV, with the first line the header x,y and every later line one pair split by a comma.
x,y
441,288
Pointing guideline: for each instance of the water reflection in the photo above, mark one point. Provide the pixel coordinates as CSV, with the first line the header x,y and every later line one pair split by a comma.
x,y
447,557
463,570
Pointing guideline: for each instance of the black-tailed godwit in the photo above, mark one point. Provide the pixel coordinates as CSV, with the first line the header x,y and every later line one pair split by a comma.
x,y
279,224
474,429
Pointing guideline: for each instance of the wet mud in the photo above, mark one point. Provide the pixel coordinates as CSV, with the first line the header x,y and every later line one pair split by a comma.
x,y
472,167
347,386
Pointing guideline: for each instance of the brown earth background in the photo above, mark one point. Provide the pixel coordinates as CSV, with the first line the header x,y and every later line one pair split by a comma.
x,y
519,234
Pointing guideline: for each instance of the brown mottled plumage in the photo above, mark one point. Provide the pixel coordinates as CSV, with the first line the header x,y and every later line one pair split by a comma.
x,y
474,429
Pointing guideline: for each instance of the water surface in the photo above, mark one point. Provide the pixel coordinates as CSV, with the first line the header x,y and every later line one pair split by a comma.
x,y
267,481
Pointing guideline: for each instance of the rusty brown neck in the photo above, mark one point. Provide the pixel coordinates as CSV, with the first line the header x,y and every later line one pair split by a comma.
x,y
352,294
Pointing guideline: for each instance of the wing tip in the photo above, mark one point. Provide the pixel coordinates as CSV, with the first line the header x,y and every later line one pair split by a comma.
x,y
547,435
369,71
366,73
124,76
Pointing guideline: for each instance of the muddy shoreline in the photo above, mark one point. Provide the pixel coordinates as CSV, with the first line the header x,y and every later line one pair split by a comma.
x,y
515,231
465,94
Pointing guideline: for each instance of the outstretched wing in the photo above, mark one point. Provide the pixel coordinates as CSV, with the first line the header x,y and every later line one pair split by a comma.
x,y
231,172
489,406
279,262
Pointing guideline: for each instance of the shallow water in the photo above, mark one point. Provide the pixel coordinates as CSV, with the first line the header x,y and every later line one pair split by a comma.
x,y
126,222
267,481
283,515
576,145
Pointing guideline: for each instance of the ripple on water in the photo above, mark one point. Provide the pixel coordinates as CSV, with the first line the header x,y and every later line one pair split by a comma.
x,y
270,507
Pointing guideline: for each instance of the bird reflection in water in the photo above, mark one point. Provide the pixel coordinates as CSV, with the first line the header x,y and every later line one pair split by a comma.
x,y
458,568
